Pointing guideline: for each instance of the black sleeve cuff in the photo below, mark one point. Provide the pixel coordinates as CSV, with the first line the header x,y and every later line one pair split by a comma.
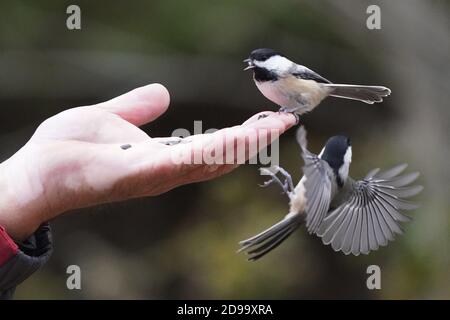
x,y
33,253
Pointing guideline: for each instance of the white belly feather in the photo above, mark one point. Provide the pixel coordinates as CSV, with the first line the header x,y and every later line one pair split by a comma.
x,y
294,94
271,91
298,200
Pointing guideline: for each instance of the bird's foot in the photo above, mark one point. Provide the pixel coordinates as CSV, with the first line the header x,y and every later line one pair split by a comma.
x,y
293,112
287,186
297,118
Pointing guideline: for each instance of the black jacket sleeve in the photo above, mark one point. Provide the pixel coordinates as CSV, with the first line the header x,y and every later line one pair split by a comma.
x,y
27,257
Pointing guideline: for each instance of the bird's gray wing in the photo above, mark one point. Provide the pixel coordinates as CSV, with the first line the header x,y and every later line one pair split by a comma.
x,y
371,214
317,184
305,73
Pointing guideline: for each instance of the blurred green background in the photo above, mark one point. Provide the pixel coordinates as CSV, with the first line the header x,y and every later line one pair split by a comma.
x,y
182,244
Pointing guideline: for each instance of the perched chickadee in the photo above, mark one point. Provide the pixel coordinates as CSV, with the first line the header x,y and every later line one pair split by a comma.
x,y
353,216
296,88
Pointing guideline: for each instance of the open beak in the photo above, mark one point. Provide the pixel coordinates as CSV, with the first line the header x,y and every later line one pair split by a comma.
x,y
250,64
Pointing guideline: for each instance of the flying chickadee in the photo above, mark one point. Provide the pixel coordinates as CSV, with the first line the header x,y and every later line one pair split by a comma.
x,y
296,88
353,216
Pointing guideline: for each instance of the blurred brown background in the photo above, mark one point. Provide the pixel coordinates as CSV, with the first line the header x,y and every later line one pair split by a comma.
x,y
182,244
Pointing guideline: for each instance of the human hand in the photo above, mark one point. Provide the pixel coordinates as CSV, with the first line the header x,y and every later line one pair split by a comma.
x,y
75,159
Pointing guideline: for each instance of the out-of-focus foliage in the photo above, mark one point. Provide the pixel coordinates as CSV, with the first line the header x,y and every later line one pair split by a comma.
x,y
182,244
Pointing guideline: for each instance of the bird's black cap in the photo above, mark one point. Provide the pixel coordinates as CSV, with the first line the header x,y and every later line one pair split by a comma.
x,y
262,54
335,150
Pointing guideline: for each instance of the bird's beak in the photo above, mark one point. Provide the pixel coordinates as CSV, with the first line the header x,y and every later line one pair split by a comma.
x,y
250,64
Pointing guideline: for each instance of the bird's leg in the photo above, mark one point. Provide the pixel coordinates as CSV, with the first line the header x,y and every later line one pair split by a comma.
x,y
293,112
273,179
297,117
287,186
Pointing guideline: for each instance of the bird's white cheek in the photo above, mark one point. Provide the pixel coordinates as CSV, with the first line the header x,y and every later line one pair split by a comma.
x,y
343,171
276,63
321,153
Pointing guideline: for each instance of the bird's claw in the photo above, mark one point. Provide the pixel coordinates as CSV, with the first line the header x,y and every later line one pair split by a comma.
x,y
287,186
267,183
294,113
297,118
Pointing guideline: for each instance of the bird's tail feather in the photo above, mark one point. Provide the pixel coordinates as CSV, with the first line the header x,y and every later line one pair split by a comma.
x,y
367,94
264,242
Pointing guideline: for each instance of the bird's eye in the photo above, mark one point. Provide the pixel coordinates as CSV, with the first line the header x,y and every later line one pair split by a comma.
x,y
348,141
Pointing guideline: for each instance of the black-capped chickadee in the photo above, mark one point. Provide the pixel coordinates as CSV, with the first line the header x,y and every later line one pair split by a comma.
x,y
353,216
296,88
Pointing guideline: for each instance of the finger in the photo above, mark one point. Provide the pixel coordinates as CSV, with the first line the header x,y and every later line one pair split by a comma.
x,y
141,105
191,162
275,120
205,173
258,116
232,145
254,135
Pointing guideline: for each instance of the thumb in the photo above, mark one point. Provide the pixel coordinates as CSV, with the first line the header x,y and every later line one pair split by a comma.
x,y
141,105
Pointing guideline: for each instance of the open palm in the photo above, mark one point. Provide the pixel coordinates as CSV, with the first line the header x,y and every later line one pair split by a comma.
x,y
94,154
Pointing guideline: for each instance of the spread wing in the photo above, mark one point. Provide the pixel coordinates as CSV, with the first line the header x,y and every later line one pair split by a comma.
x,y
371,215
305,73
317,184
